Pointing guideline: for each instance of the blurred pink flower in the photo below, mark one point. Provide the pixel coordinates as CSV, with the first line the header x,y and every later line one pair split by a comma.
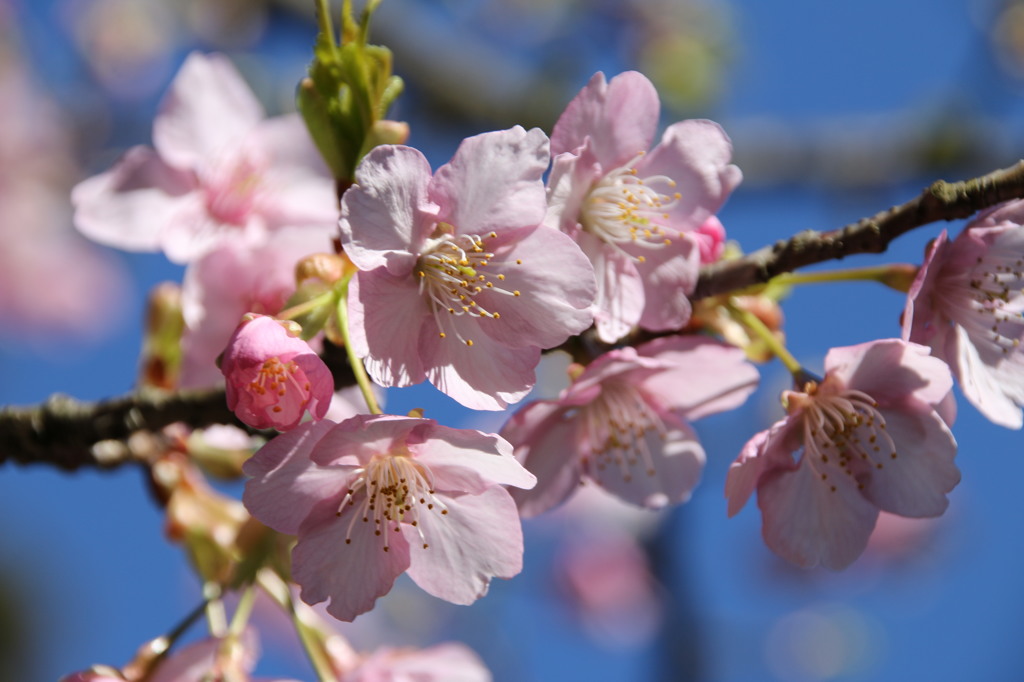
x,y
231,281
376,496
273,378
227,659
449,662
967,303
607,580
869,437
52,282
633,212
92,676
458,282
220,173
623,423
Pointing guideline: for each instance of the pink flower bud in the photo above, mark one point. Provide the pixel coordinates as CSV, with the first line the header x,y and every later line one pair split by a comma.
x,y
274,376
711,240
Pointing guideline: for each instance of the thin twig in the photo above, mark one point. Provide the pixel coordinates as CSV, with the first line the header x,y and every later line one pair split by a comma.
x,y
940,201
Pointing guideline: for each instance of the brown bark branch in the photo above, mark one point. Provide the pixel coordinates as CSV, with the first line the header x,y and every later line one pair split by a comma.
x,y
940,201
69,434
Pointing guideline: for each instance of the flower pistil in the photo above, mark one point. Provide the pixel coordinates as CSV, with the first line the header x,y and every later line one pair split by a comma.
x,y
626,209
843,431
390,490
617,422
453,272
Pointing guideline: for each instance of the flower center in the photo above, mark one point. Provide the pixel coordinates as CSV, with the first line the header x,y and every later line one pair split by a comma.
x,y
842,430
617,423
624,209
455,276
390,490
280,382
232,188
990,305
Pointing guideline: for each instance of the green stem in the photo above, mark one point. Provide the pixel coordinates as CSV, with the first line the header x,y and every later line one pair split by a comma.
x,y
305,306
755,325
216,618
365,385
277,590
241,617
895,275
323,17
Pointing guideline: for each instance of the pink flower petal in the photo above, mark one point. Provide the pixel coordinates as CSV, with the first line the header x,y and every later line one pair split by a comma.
x,y
890,369
478,538
300,191
696,154
619,300
548,448
455,459
386,216
676,460
353,575
386,314
208,108
493,182
619,117
916,481
131,205
285,486
669,274
808,523
716,376
556,286
994,385
486,376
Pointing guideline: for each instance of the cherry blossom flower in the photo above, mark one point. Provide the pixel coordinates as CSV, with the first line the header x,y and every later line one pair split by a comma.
x,y
219,172
449,662
967,303
867,437
273,377
633,212
458,282
623,423
376,496
233,280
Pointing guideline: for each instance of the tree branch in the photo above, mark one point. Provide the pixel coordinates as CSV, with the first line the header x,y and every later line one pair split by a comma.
x,y
69,434
940,201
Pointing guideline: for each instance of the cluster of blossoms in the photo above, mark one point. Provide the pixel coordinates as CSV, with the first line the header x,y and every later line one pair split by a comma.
x,y
464,275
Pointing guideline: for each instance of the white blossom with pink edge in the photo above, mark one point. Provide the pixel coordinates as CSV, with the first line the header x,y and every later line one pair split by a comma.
x,y
219,172
458,281
867,437
272,378
967,304
623,423
376,496
634,212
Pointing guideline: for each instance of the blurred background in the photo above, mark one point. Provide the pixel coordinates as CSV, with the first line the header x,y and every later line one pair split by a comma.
x,y
836,111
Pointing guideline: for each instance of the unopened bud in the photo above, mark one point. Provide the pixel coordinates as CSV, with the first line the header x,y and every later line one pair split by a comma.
x,y
325,267
387,132
161,351
899,276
